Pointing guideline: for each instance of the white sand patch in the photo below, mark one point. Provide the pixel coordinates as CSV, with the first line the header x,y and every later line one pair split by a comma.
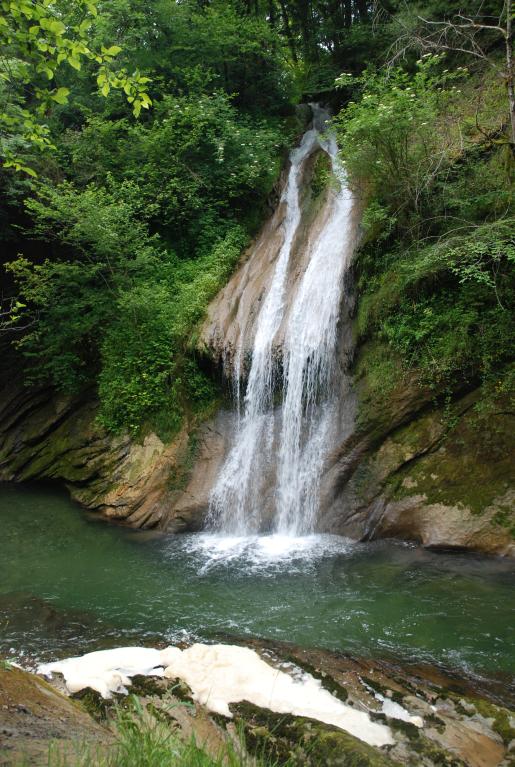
x,y
218,675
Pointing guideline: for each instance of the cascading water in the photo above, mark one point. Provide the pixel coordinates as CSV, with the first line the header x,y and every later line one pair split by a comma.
x,y
308,411
297,435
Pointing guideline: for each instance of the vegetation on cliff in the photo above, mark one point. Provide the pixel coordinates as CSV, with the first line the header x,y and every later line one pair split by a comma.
x,y
140,144
429,147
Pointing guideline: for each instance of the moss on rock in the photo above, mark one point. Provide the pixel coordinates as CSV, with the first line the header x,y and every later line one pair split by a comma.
x,y
301,741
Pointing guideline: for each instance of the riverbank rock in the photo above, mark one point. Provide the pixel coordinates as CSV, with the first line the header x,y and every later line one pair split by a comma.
x,y
416,468
45,435
436,718
35,717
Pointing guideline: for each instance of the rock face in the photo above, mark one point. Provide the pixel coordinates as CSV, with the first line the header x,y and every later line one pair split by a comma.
x,y
411,468
440,476
230,324
413,472
143,484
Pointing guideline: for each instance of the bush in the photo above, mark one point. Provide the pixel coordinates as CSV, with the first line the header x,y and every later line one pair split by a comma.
x,y
114,307
388,139
435,269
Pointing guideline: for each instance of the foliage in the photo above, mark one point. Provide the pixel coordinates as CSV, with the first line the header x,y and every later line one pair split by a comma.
x,y
133,226
198,159
435,269
388,138
202,47
144,370
36,39
115,303
152,739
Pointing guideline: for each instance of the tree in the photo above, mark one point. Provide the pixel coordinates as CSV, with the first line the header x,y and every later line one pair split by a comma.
x,y
468,34
37,39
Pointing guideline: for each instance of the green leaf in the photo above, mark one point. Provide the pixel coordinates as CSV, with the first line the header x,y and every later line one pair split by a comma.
x,y
57,27
113,50
84,26
61,95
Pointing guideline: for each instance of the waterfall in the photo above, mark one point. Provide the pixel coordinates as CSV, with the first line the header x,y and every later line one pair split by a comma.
x,y
289,442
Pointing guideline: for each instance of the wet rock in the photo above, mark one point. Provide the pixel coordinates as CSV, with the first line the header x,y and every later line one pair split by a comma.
x,y
466,722
300,741
230,325
192,486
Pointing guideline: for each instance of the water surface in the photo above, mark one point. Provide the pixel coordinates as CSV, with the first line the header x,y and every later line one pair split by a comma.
x,y
68,584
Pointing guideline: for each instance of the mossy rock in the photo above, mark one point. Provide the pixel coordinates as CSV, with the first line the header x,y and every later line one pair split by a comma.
x,y
501,718
322,174
97,707
181,690
327,681
148,686
292,740
472,448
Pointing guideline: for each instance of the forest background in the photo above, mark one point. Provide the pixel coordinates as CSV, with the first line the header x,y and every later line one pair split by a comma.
x,y
142,143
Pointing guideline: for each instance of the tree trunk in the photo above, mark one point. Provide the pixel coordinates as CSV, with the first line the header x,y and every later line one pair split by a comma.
x,y
305,26
509,69
287,29
271,13
347,16
362,9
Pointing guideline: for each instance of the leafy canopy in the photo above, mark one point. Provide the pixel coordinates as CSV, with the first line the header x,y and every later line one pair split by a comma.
x,y
38,38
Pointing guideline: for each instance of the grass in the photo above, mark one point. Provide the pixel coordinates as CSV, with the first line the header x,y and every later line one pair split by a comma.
x,y
145,738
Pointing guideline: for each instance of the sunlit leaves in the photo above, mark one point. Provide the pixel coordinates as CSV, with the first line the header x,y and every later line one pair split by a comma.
x,y
61,95
37,39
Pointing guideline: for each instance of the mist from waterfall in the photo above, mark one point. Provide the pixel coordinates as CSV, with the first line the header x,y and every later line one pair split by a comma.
x,y
290,442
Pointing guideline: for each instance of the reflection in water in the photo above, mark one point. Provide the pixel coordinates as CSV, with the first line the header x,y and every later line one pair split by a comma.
x,y
68,585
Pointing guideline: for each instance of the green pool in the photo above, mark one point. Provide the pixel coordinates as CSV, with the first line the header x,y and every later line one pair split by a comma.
x,y
68,584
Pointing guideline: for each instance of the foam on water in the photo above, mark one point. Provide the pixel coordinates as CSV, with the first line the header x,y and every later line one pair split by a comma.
x,y
264,553
218,675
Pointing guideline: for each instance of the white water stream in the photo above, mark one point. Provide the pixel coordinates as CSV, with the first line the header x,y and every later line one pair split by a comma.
x,y
290,442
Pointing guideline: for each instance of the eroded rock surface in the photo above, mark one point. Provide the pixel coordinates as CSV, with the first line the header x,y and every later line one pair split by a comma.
x,y
147,483
230,325
443,477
